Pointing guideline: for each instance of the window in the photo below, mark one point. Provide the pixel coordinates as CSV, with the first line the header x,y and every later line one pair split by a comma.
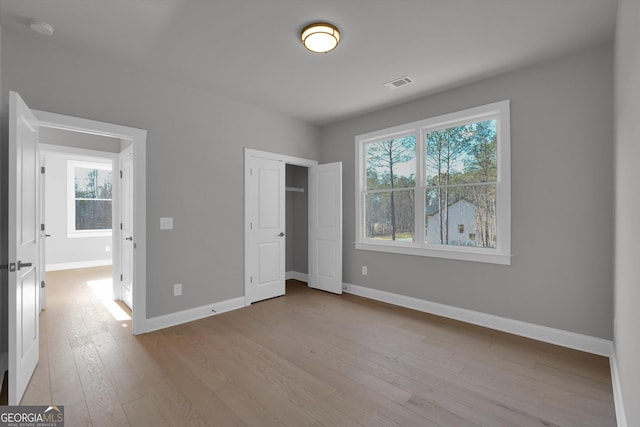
x,y
90,198
438,187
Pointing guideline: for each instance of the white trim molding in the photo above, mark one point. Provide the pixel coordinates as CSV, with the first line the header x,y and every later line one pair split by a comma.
x,y
296,275
568,339
79,264
191,314
621,417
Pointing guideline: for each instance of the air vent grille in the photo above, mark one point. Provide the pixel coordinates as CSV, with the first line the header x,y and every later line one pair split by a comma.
x,y
396,83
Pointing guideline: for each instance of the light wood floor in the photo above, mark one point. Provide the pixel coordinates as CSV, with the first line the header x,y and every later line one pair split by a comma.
x,y
306,359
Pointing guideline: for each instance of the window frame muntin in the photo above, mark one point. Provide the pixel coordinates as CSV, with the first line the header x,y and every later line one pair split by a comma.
x,y
499,255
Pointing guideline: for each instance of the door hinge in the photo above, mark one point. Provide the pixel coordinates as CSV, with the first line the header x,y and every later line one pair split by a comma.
x,y
41,227
42,284
250,226
120,174
251,172
120,226
121,277
41,169
250,279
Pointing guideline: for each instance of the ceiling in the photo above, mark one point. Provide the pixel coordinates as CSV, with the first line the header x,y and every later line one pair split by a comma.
x,y
250,50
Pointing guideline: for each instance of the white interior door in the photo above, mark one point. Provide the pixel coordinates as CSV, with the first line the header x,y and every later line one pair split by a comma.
x,y
24,242
126,226
265,212
325,232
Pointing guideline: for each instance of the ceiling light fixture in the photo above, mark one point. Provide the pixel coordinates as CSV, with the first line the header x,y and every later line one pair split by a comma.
x,y
320,37
41,27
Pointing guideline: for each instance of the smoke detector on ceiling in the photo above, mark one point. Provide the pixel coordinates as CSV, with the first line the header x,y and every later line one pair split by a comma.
x,y
41,27
402,81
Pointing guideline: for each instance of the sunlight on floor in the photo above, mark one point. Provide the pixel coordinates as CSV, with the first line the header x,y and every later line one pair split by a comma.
x,y
102,289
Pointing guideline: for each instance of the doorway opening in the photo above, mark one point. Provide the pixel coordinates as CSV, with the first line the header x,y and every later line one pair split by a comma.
x,y
126,148
297,222
80,206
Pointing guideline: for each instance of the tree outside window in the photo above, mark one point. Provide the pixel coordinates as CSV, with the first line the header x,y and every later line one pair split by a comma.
x,y
391,180
438,187
92,192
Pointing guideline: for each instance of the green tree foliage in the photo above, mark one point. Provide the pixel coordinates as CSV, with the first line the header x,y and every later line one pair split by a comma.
x,y
383,159
463,155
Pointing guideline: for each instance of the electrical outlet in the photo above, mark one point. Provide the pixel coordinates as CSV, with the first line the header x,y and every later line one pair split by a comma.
x,y
177,289
107,248
364,270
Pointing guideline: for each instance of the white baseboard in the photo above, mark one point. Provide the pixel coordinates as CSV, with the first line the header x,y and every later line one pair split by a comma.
x,y
78,264
184,316
617,391
303,277
568,339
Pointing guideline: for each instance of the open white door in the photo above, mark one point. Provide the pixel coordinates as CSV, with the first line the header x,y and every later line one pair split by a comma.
x,y
265,216
325,227
24,245
126,226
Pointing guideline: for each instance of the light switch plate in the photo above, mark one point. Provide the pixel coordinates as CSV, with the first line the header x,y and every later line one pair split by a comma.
x,y
166,223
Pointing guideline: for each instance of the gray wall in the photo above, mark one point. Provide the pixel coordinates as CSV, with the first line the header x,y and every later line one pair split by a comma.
x,y
194,158
297,220
627,252
562,199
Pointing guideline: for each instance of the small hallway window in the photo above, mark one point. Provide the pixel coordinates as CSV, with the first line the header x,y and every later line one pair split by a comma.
x,y
90,198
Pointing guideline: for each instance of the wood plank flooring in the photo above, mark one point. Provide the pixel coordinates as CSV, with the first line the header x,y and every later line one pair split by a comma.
x,y
306,359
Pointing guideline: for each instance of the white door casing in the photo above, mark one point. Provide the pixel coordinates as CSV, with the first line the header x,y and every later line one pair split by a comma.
x,y
24,245
325,227
42,264
126,227
266,226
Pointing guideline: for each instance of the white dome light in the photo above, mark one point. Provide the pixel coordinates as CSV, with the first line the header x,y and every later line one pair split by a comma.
x,y
320,37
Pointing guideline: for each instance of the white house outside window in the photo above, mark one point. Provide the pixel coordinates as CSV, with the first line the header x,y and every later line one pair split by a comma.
x,y
90,198
438,187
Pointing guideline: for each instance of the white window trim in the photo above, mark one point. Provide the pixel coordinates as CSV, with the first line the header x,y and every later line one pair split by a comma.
x,y
72,233
502,253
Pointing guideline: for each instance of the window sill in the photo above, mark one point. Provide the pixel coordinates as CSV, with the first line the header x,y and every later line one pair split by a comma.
x,y
457,253
83,234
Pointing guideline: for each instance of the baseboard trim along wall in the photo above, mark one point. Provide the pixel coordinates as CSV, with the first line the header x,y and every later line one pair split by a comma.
x,y
189,315
303,277
621,417
568,339
79,264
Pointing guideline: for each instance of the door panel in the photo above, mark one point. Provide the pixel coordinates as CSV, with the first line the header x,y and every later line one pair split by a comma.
x,y
325,234
266,216
126,234
24,247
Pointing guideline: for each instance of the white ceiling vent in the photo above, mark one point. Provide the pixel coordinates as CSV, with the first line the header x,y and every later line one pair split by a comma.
x,y
402,81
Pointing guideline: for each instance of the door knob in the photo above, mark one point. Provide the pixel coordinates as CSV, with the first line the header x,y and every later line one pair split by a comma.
x,y
281,234
130,238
